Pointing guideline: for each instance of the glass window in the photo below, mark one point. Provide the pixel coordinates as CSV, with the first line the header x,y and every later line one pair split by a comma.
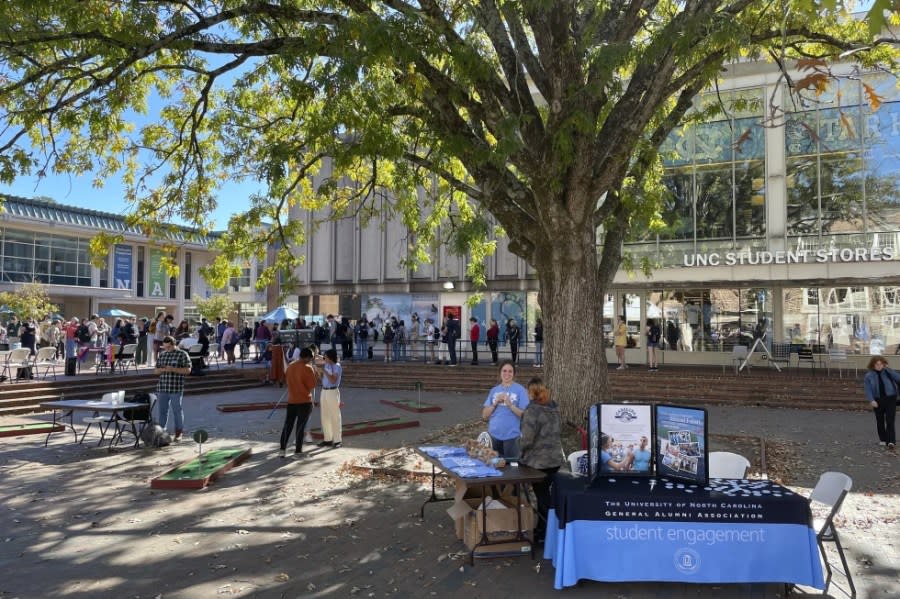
x,y
187,275
140,271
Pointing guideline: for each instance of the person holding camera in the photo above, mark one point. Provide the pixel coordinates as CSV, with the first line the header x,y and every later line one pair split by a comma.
x,y
503,410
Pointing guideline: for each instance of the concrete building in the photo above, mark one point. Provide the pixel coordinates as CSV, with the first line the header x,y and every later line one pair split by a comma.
x,y
782,217
46,242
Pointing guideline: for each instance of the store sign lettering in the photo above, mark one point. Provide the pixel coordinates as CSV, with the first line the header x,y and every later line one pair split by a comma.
x,y
821,256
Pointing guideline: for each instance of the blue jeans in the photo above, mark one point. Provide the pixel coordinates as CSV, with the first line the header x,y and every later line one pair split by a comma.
x,y
507,448
538,352
396,351
362,349
173,399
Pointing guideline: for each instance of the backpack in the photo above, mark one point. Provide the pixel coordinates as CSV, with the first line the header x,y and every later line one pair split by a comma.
x,y
655,333
388,335
154,436
152,328
83,333
363,331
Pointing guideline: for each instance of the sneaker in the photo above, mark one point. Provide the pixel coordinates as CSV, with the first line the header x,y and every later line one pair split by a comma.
x,y
620,368
299,454
337,445
882,443
282,453
324,444
890,446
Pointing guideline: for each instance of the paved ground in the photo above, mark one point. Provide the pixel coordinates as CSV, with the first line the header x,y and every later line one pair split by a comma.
x,y
78,521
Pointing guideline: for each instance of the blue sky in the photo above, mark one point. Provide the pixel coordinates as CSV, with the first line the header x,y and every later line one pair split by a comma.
x,y
79,191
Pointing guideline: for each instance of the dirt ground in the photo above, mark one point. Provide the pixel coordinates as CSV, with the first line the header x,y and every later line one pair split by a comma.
x,y
80,521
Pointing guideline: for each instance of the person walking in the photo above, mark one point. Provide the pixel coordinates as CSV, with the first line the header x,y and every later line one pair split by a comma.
x,y
620,340
493,338
654,334
539,343
474,335
172,365
881,387
331,400
301,381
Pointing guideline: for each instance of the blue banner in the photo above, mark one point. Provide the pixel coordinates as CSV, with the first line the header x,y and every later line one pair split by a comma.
x,y
122,266
682,552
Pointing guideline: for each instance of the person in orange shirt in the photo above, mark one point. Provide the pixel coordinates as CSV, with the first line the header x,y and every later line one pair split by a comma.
x,y
301,380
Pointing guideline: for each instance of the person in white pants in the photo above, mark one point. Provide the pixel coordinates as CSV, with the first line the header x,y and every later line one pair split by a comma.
x,y
331,400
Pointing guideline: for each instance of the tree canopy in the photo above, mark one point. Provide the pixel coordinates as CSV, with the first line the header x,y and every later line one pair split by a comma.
x,y
545,115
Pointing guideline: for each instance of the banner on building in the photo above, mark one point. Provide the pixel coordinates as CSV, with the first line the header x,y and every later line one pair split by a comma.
x,y
158,277
122,266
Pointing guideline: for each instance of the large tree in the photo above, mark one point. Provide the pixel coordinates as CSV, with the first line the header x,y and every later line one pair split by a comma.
x,y
544,114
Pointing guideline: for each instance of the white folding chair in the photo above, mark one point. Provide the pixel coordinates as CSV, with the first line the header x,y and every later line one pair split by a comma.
x,y
724,464
16,359
578,462
46,358
99,419
837,358
213,355
830,492
738,355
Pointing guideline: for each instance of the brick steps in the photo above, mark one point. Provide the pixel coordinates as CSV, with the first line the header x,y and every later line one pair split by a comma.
x,y
676,384
25,398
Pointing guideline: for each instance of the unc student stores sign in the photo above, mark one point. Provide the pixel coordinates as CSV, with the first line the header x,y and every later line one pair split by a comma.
x,y
820,256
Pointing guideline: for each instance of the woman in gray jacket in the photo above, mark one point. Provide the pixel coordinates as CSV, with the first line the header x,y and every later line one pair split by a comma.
x,y
540,446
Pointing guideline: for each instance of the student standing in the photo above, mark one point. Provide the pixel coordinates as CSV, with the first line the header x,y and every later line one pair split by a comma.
x,y
301,380
172,365
331,400
474,335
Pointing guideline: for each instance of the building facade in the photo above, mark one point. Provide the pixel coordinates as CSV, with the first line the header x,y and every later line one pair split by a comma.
x,y
781,219
47,243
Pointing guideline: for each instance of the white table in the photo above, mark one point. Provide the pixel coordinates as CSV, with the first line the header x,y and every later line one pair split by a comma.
x,y
68,407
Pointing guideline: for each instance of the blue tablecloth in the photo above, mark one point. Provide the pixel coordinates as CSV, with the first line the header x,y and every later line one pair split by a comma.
x,y
642,529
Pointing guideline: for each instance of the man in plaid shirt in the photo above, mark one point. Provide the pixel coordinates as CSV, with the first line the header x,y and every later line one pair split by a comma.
x,y
172,366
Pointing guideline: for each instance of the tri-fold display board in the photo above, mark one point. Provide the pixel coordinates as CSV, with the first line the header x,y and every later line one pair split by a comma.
x,y
627,439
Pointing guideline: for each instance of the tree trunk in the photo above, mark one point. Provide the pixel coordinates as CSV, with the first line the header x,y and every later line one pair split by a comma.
x,y
571,297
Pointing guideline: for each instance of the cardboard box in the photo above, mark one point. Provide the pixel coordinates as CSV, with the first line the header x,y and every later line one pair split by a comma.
x,y
501,526
501,522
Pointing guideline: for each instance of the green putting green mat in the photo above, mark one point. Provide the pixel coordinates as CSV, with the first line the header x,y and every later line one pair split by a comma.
x,y
199,472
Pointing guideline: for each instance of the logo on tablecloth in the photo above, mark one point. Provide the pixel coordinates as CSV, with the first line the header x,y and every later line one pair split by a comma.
x,y
625,415
687,560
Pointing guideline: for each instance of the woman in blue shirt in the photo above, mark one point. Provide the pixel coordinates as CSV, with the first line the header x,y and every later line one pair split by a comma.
x,y
503,410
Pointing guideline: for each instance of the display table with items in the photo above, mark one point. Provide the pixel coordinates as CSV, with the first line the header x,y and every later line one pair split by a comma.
x,y
621,529
488,509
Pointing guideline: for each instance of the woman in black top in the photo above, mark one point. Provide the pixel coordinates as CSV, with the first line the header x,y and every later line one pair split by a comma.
x,y
512,335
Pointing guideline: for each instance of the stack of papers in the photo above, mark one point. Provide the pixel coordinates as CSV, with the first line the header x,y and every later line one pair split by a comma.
x,y
476,472
440,451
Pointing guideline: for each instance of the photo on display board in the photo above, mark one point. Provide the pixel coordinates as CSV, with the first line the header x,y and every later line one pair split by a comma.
x,y
623,442
682,450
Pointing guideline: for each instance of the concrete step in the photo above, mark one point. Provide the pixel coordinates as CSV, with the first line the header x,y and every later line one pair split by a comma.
x,y
25,398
